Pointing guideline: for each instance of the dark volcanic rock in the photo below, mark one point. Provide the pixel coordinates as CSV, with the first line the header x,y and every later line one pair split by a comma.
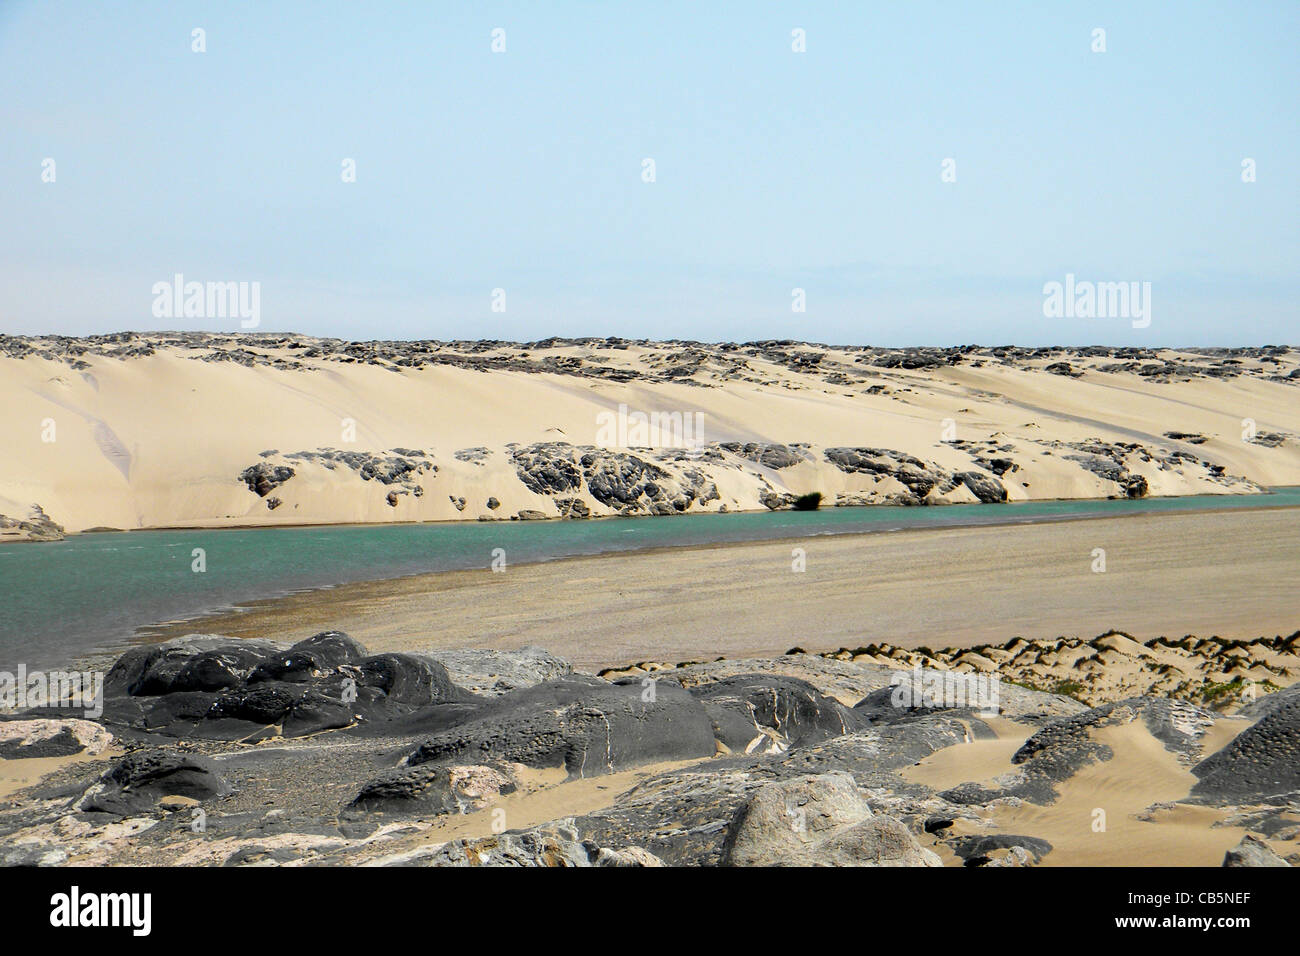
x,y
624,482
432,789
769,455
979,850
1267,703
984,487
263,478
756,713
24,738
38,526
1062,368
139,780
584,724
1261,761
220,688
620,480
156,668
317,654
920,477
547,469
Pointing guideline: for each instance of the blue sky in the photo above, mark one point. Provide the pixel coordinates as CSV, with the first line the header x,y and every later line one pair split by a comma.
x,y
774,170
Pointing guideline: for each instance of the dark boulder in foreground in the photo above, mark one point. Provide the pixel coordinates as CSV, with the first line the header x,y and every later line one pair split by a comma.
x,y
139,780
819,820
154,669
550,844
758,713
219,688
222,689
584,724
429,789
491,673
685,816
590,726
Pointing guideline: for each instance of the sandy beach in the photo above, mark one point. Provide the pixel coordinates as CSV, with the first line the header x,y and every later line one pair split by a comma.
x,y
1228,574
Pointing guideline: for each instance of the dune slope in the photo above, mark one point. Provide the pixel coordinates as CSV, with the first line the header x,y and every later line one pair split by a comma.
x,y
203,430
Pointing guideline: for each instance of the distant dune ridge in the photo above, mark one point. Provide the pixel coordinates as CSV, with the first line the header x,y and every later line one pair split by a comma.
x,y
209,430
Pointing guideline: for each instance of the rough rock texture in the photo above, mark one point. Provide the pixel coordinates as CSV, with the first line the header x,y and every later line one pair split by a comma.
x,y
139,780
553,844
757,713
1261,761
52,737
491,673
684,816
37,526
1267,703
770,761
769,455
221,689
819,821
1212,672
430,789
923,481
1252,851
1000,849
583,724
861,682
624,482
262,478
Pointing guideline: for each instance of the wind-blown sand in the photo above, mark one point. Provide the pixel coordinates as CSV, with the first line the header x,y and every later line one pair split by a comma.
x,y
143,431
1133,831
1222,573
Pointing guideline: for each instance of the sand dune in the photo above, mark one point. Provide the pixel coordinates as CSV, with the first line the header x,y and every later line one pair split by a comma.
x,y
139,431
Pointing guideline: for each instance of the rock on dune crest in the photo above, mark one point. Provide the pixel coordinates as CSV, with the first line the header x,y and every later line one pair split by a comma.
x,y
299,429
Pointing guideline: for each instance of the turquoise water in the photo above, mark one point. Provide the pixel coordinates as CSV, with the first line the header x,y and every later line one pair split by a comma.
x,y
88,595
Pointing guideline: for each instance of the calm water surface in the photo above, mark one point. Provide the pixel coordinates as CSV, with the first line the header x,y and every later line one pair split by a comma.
x,y
88,595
